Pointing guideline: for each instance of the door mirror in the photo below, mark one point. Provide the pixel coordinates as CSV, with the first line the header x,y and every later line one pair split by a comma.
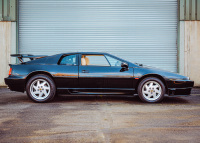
x,y
124,65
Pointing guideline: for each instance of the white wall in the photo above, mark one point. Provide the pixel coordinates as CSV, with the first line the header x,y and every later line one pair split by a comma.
x,y
192,51
7,46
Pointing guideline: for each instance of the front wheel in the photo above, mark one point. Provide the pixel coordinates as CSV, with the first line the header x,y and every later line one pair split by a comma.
x,y
40,88
151,90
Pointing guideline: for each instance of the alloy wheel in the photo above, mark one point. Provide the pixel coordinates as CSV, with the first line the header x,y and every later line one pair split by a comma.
x,y
40,89
151,90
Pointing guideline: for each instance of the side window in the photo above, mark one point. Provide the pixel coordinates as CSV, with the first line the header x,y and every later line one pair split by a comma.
x,y
68,60
113,61
96,60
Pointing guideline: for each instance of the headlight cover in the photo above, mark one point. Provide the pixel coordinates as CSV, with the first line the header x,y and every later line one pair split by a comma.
x,y
173,79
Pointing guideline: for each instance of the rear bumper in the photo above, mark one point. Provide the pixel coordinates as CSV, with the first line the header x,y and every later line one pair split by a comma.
x,y
15,84
180,87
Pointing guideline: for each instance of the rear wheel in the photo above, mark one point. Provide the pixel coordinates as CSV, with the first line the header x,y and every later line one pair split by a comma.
x,y
40,88
151,90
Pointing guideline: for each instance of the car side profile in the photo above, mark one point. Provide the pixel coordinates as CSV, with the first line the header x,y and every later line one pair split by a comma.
x,y
92,73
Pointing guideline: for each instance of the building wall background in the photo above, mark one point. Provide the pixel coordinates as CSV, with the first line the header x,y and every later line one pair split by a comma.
x,y
188,41
8,35
5,36
192,51
7,46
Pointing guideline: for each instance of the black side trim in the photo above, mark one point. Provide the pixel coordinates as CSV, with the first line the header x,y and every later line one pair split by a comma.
x,y
131,89
96,90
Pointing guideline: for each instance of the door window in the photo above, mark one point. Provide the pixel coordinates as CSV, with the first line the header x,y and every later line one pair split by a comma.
x,y
113,61
68,60
94,60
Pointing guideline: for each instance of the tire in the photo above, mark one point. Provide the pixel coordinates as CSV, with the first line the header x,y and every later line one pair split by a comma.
x,y
41,88
151,90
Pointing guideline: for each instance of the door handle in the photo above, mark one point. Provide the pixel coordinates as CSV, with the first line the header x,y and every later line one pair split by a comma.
x,y
85,71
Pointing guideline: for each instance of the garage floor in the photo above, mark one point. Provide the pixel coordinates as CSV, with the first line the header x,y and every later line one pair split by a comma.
x,y
106,119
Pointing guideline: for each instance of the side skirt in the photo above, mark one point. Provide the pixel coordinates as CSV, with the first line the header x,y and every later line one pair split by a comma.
x,y
96,90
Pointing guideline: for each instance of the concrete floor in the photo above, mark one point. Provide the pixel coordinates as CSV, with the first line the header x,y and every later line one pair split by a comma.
x,y
117,119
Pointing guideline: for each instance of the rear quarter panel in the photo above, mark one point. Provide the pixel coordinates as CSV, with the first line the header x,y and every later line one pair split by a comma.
x,y
63,75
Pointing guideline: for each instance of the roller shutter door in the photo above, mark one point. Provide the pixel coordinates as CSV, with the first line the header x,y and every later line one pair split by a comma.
x,y
143,31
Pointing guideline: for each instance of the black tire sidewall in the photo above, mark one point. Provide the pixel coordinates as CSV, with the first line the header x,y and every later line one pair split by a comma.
x,y
141,84
46,78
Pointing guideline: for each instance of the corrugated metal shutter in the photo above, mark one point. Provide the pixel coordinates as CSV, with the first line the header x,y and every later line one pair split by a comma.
x,y
143,31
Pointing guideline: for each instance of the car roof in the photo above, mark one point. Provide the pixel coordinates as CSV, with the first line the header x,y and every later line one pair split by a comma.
x,y
86,53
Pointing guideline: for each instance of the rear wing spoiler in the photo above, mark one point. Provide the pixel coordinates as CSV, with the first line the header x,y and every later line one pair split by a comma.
x,y
31,57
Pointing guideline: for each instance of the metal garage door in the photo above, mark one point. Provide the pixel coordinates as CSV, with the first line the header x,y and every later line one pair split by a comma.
x,y
143,31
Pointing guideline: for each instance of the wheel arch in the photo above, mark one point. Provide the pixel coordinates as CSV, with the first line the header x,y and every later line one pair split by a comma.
x,y
152,75
36,73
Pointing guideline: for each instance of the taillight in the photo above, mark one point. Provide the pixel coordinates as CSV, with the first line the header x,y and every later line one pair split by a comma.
x,y
10,71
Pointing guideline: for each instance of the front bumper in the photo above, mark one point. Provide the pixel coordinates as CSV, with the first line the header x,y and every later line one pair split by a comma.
x,y
179,91
15,84
180,87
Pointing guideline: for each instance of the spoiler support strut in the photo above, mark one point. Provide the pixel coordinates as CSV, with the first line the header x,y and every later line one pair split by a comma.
x,y
31,57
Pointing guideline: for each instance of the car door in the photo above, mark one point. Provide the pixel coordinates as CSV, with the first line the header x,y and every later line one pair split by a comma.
x,y
66,72
92,71
95,71
117,76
